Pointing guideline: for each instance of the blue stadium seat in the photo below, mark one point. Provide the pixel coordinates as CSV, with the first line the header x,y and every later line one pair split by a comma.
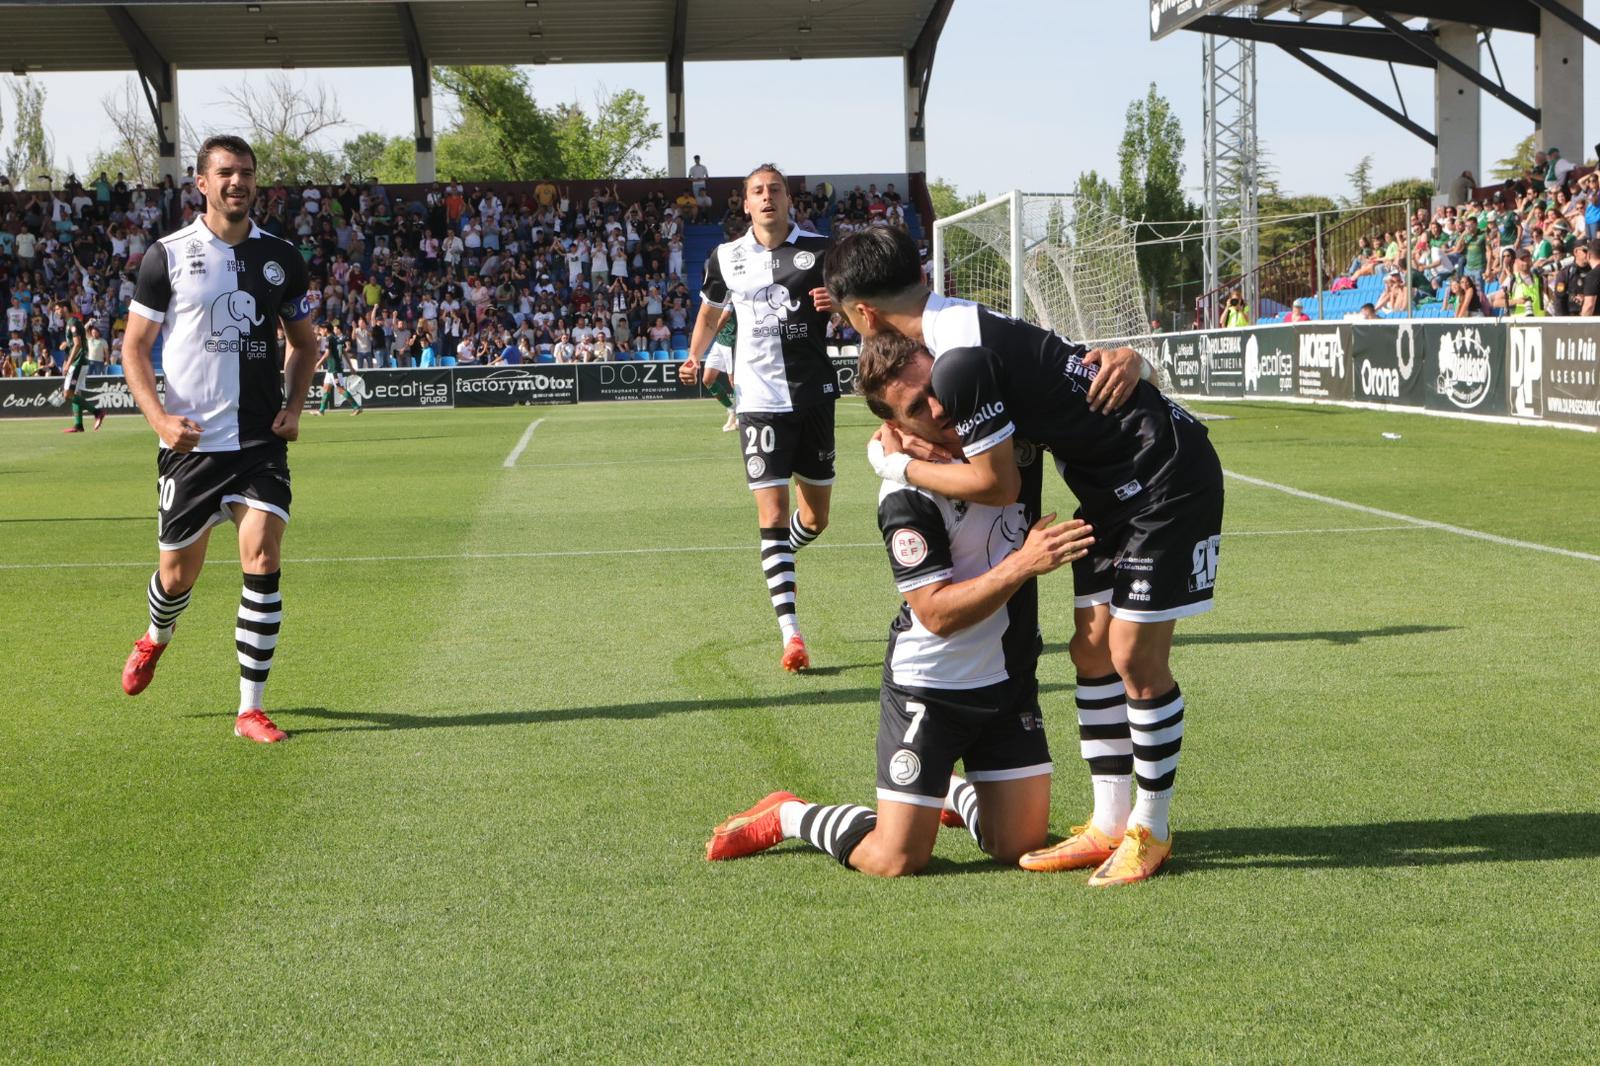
x,y
677,354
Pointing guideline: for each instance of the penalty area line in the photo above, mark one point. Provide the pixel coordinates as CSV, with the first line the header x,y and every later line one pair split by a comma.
x,y
522,445
1412,520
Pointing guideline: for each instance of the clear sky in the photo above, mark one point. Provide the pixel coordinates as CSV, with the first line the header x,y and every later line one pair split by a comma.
x,y
1025,93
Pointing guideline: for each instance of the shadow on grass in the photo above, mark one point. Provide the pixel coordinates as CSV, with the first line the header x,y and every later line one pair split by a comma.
x,y
1442,842
1331,636
359,721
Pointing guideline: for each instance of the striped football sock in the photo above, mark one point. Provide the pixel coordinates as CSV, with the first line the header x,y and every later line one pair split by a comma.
x,y
164,609
1157,728
256,635
1107,746
777,563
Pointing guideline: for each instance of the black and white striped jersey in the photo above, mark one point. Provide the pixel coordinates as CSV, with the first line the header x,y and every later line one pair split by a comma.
x,y
998,376
931,538
219,306
782,355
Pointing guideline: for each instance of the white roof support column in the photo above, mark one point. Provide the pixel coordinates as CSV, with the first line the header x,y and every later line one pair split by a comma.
x,y
421,95
919,73
1558,78
1458,109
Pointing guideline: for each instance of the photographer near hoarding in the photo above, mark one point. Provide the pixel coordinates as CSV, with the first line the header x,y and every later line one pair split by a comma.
x,y
216,291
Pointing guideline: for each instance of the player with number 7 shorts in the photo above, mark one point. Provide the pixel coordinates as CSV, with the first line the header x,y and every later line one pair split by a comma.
x,y
1145,475
959,682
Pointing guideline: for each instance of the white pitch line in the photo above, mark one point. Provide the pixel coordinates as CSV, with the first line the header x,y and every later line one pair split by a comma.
x,y
1421,523
527,435
583,553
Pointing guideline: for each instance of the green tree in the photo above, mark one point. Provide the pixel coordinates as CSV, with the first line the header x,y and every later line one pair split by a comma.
x,y
1413,191
501,132
609,145
1518,163
284,120
135,150
31,156
362,154
398,162
947,199
1150,189
1360,182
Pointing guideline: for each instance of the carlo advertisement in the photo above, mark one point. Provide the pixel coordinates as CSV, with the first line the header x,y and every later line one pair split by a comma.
x,y
1465,368
20,397
510,386
1387,363
1269,356
1553,372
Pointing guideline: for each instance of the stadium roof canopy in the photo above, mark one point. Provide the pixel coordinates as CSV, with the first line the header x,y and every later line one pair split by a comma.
x,y
230,34
156,37
1445,36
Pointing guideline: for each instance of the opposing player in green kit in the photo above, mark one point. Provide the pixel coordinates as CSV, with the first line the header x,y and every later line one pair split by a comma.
x,y
718,375
333,368
76,373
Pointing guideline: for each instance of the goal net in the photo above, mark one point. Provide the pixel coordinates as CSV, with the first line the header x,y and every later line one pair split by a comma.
x,y
1061,262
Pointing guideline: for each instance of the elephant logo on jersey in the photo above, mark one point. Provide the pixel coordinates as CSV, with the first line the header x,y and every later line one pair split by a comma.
x,y
778,303
232,315
1010,529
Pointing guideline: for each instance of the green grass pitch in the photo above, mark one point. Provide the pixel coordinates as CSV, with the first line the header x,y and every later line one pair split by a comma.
x,y
519,698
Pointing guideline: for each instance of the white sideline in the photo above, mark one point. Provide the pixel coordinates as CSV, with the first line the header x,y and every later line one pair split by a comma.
x,y
1421,523
527,435
449,556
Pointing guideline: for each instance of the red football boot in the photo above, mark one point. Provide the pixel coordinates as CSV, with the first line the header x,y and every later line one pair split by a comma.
x,y
795,656
255,725
140,668
749,831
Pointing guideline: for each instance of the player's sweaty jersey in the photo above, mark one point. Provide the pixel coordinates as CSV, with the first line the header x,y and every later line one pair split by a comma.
x,y
998,376
783,362
931,538
219,306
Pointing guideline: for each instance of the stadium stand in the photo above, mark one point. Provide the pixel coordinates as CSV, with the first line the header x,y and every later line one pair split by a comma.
x,y
443,274
1501,250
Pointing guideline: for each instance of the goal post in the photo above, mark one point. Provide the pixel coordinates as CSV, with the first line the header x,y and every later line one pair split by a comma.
x,y
1063,262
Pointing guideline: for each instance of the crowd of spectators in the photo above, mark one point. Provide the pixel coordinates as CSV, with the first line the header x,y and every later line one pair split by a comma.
x,y
1524,248
453,275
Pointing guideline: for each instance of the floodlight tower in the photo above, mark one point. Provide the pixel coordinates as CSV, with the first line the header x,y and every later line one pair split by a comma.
x,y
1232,167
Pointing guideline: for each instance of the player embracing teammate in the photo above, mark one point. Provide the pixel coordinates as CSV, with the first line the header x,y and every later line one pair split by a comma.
x,y
1146,477
771,278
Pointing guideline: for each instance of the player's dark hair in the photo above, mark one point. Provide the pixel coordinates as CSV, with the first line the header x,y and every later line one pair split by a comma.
x,y
872,263
884,357
765,168
222,142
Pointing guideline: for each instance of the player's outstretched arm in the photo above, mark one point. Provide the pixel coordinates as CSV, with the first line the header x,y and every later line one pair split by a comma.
x,y
947,608
179,434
